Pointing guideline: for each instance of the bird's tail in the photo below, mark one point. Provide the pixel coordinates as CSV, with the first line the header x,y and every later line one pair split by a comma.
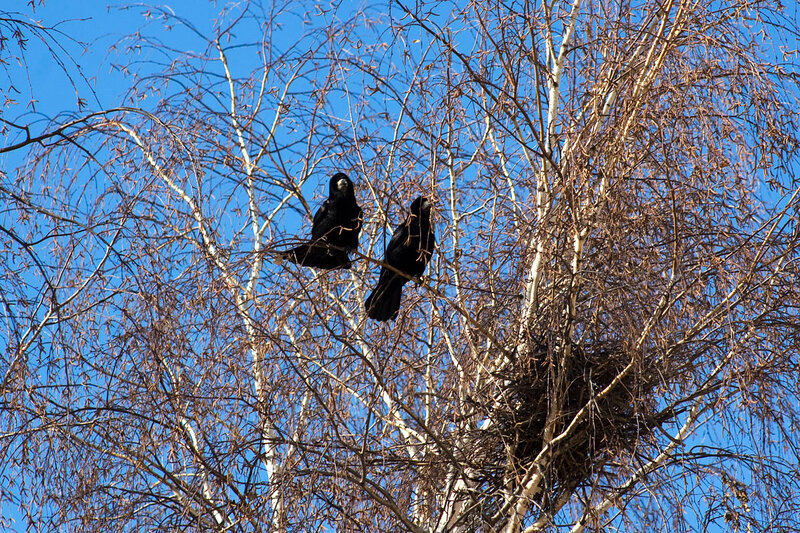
x,y
318,256
298,254
383,303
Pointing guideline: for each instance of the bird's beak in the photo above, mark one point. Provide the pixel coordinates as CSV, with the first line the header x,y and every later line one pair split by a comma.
x,y
341,184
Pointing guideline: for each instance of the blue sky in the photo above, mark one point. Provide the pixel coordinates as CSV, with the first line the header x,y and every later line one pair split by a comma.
x,y
101,27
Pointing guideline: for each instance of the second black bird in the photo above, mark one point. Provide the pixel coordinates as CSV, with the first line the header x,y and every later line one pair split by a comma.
x,y
408,252
334,231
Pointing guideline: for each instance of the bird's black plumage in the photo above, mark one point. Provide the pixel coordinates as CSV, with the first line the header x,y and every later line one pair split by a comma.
x,y
334,231
408,251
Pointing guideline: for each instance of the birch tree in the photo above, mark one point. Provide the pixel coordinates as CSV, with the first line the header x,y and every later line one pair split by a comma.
x,y
605,339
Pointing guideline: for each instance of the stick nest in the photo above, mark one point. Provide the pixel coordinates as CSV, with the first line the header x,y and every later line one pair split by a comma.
x,y
542,392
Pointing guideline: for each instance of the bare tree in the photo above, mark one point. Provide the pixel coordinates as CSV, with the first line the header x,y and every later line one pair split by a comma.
x,y
606,338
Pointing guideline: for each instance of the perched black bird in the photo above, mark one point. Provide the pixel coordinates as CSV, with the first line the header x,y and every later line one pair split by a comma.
x,y
334,232
408,251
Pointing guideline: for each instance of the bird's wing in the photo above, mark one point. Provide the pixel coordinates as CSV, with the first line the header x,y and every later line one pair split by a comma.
x,y
398,240
320,225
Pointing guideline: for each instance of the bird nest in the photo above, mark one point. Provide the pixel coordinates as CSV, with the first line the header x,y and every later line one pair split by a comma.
x,y
597,401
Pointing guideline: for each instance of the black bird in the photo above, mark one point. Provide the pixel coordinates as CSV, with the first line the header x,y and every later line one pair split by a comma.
x,y
409,251
334,231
